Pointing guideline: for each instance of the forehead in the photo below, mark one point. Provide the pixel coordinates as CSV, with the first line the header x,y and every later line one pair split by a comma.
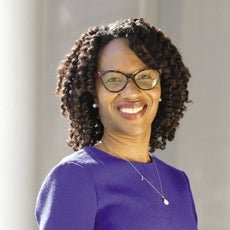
x,y
117,55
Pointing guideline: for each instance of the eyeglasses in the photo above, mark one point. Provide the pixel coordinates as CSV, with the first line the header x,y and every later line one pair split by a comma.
x,y
115,81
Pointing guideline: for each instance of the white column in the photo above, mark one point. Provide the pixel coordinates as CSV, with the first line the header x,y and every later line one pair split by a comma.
x,y
20,66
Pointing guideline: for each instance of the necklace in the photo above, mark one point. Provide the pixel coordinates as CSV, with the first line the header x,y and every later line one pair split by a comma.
x,y
143,178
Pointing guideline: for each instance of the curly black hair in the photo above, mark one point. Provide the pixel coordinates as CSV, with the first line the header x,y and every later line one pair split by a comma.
x,y
76,80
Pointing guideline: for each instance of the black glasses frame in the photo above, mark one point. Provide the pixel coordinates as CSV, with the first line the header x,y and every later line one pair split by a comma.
x,y
128,76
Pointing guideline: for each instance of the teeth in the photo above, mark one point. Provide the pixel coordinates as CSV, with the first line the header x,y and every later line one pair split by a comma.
x,y
131,110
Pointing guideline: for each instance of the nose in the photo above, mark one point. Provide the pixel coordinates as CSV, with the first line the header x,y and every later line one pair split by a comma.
x,y
131,90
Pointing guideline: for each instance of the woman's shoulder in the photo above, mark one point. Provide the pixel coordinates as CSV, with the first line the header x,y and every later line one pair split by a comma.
x,y
71,166
87,157
79,162
170,171
81,157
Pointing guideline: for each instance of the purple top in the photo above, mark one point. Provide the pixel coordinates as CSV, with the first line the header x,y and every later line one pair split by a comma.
x,y
92,190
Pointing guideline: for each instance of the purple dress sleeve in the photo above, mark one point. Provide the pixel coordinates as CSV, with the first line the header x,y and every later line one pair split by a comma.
x,y
67,199
192,200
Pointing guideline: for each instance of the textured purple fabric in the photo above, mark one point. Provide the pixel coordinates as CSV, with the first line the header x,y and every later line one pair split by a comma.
x,y
92,190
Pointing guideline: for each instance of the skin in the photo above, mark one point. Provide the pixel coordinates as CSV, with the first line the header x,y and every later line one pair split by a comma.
x,y
126,133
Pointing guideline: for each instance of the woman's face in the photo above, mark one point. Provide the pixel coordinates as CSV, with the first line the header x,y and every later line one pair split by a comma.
x,y
132,110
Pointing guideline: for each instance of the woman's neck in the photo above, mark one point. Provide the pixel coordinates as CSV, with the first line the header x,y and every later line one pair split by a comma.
x,y
129,148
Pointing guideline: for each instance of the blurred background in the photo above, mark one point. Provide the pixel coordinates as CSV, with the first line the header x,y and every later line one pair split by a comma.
x,y
35,36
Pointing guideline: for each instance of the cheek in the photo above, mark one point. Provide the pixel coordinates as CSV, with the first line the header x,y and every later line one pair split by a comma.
x,y
99,91
104,100
105,110
156,94
158,89
103,96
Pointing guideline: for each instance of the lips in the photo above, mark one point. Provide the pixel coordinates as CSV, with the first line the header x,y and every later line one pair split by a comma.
x,y
132,110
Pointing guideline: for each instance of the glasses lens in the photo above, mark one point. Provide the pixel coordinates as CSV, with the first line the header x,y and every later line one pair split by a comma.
x,y
114,81
147,79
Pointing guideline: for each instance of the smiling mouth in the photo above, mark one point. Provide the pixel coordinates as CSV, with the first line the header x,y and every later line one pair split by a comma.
x,y
131,110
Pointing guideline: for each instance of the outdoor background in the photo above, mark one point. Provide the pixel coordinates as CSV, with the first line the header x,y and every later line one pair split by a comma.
x,y
35,36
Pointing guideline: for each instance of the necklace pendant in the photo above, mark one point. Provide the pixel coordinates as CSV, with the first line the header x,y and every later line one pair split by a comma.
x,y
166,202
142,178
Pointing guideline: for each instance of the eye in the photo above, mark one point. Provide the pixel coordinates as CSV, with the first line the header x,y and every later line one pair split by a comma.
x,y
144,77
147,75
113,79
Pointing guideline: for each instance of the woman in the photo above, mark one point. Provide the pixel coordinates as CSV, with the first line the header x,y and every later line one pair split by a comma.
x,y
123,88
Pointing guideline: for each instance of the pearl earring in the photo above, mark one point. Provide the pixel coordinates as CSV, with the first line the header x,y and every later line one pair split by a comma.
x,y
94,105
160,100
